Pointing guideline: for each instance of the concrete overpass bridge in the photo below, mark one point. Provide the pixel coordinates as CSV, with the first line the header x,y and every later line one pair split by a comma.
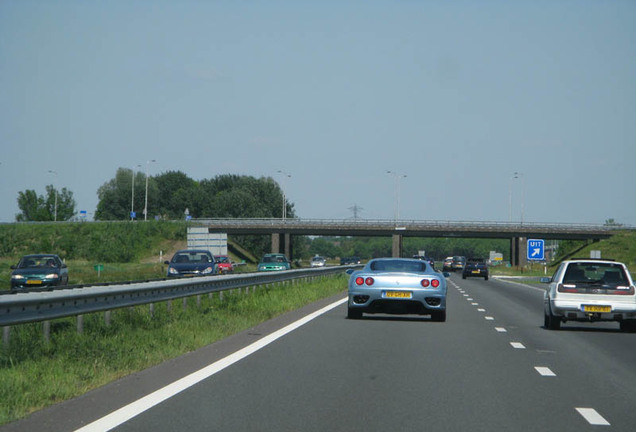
x,y
282,230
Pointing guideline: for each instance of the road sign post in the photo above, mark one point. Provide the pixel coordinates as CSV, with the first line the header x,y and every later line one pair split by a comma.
x,y
536,250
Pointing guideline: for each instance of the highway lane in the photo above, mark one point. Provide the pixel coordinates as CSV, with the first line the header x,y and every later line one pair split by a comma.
x,y
490,366
396,373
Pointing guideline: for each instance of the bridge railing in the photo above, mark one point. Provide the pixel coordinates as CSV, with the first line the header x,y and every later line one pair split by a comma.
x,y
271,222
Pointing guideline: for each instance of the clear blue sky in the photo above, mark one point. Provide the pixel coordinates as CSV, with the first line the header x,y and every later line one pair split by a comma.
x,y
455,95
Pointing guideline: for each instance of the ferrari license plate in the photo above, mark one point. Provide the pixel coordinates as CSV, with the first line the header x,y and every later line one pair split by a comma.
x,y
594,308
34,282
398,294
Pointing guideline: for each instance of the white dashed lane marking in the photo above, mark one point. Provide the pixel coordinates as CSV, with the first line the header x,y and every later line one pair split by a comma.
x,y
544,371
589,414
593,417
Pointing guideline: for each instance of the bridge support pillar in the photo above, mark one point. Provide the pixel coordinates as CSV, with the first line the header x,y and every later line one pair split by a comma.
x,y
281,243
518,251
275,243
397,246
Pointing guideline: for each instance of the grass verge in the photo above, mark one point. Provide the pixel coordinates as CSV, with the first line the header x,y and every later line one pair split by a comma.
x,y
35,374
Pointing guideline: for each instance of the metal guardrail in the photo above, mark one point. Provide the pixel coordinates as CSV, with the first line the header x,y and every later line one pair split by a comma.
x,y
21,308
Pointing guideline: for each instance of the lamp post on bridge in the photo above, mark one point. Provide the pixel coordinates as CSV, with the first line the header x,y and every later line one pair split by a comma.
x,y
517,175
397,177
284,174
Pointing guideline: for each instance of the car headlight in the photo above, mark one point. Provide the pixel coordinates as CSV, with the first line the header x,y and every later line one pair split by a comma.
x,y
17,277
52,276
172,270
208,270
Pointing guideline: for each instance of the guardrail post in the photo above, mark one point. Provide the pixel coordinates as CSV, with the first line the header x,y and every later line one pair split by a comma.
x,y
152,310
185,303
80,324
46,329
199,301
169,306
220,296
6,335
107,318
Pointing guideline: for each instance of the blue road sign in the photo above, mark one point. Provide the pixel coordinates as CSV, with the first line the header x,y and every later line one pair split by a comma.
x,y
536,249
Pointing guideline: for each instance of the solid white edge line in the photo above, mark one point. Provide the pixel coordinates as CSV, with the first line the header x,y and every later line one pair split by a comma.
x,y
544,371
593,417
135,408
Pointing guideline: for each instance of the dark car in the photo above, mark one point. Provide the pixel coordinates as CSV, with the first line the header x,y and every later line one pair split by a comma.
x,y
475,268
39,270
428,259
350,260
458,263
192,262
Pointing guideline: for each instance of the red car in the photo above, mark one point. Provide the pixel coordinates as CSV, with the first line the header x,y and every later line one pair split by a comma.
x,y
223,264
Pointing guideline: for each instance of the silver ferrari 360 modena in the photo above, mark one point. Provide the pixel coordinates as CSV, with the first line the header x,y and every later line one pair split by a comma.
x,y
397,286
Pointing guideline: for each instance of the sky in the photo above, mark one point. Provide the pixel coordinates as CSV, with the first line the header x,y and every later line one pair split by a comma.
x,y
452,97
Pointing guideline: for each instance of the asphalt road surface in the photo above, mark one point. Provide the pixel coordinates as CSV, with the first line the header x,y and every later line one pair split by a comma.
x,y
490,367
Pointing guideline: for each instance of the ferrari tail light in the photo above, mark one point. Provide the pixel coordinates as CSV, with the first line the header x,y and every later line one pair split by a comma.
x,y
361,281
435,283
425,283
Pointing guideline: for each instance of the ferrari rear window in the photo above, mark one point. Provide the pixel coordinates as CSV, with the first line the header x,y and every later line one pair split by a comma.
x,y
399,266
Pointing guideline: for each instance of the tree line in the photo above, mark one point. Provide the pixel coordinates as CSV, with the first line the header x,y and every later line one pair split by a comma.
x,y
173,194
167,196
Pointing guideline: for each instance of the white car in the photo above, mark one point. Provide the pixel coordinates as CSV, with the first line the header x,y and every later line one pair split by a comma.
x,y
590,290
318,261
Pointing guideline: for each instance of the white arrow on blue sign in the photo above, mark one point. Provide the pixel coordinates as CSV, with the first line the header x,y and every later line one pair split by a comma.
x,y
536,249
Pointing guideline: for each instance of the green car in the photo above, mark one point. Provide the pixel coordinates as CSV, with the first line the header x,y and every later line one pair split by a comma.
x,y
274,262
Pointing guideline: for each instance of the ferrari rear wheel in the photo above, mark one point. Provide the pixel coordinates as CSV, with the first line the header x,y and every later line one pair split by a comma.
x,y
353,313
438,316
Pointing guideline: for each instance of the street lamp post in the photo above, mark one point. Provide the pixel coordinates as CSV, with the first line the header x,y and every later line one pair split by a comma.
x,y
146,199
283,190
132,196
397,177
55,186
517,175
